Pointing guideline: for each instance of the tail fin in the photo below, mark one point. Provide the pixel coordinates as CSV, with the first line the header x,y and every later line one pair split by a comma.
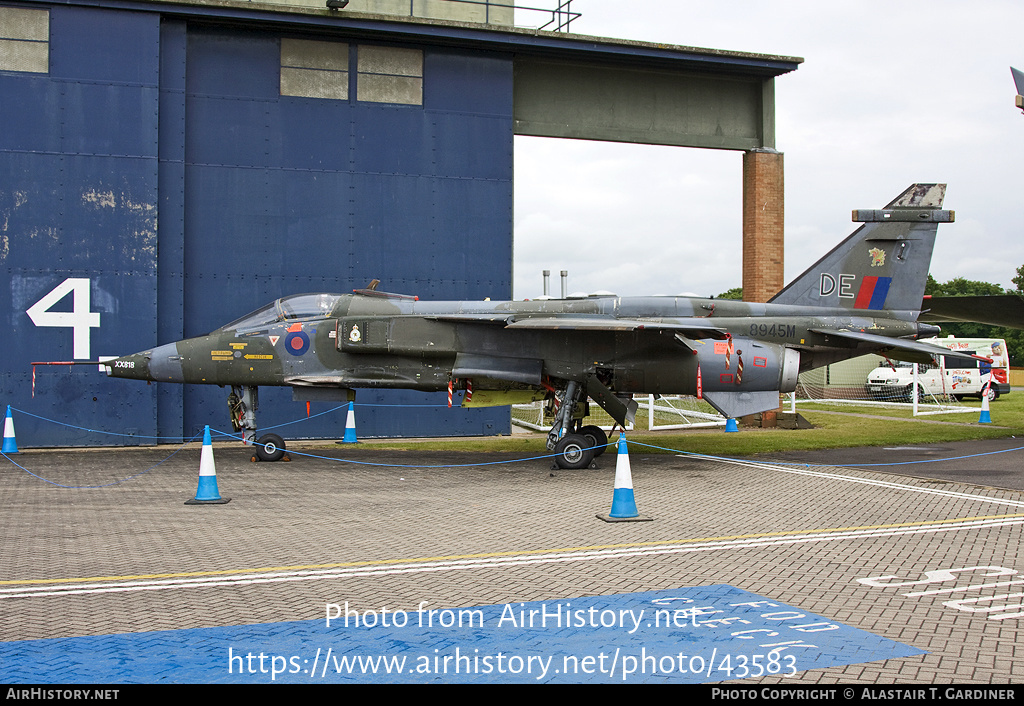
x,y
1018,81
884,264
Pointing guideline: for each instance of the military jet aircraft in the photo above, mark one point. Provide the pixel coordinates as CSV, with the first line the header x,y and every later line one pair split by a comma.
x,y
862,297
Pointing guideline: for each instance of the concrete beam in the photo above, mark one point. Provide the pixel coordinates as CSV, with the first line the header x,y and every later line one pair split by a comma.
x,y
623,103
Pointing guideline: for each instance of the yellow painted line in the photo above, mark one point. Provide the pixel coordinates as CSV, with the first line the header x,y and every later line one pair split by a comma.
x,y
491,555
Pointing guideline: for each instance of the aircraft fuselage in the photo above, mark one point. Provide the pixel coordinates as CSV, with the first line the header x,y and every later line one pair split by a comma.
x,y
371,341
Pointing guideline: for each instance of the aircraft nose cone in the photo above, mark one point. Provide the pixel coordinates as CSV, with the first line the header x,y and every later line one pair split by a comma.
x,y
165,363
134,366
159,364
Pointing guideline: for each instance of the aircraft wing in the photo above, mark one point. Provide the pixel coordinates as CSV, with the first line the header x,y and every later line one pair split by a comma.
x,y
485,318
993,310
693,327
902,344
690,327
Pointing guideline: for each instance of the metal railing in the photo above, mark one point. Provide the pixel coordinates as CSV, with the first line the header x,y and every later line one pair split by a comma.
x,y
561,16
558,18
552,19
674,412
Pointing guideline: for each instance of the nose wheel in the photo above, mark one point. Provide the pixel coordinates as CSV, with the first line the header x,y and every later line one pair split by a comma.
x,y
270,447
243,402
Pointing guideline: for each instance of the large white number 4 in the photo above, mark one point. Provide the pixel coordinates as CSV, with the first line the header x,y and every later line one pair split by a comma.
x,y
79,319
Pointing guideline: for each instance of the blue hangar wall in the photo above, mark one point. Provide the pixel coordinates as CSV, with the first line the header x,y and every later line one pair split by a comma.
x,y
160,177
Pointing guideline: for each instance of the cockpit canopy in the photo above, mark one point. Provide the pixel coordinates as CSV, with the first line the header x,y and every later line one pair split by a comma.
x,y
296,306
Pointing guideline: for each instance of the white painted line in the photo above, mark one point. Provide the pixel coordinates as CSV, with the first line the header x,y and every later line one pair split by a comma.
x,y
975,587
862,481
253,578
961,604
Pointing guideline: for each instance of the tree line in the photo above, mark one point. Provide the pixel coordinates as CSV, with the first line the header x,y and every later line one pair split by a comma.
x,y
960,287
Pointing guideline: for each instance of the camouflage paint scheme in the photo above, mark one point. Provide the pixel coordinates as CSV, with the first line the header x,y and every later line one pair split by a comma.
x,y
863,297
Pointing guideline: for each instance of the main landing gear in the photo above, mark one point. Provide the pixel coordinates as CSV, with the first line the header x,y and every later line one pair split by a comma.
x,y
575,444
243,403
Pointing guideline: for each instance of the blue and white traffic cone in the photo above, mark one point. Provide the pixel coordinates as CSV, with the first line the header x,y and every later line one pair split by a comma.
x,y
350,426
10,443
207,493
730,425
985,417
623,502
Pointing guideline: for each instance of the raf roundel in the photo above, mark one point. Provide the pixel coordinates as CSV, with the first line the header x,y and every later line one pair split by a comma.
x,y
296,343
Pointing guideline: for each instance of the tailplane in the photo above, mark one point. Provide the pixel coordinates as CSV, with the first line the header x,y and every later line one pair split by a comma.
x,y
884,264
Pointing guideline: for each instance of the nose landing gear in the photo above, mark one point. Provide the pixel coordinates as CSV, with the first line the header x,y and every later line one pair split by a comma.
x,y
243,403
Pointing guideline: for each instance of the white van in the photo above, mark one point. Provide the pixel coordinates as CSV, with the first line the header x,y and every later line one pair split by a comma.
x,y
963,377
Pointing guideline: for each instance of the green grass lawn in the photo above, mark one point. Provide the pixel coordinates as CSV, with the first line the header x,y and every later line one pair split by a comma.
x,y
834,427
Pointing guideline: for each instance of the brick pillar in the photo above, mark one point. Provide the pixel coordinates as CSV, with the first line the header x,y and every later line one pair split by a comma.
x,y
763,225
763,236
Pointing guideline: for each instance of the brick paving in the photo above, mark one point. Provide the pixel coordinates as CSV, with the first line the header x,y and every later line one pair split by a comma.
x,y
324,513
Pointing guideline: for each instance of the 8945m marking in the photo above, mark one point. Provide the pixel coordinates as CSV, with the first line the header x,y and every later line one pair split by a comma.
x,y
776,330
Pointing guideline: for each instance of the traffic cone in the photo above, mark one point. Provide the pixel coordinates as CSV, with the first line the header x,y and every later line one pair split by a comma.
x,y
730,425
623,502
10,443
350,426
207,493
985,417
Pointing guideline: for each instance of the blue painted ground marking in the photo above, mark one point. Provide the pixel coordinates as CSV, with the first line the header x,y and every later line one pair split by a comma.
x,y
687,635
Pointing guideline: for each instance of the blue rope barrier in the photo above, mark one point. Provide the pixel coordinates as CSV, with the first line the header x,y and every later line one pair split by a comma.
x,y
830,465
236,437
462,465
342,407
98,431
105,485
306,419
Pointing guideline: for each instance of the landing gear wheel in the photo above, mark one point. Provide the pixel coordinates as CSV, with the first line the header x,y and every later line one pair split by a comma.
x,y
270,447
573,451
598,438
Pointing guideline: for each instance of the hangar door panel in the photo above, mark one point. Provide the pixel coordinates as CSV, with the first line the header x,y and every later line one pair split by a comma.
x,y
318,166
78,218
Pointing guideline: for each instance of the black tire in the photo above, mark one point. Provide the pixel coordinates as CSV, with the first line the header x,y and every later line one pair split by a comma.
x,y
993,394
599,440
908,393
270,447
573,451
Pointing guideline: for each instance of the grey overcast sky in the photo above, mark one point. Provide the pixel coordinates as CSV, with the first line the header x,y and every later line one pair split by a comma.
x,y
889,94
